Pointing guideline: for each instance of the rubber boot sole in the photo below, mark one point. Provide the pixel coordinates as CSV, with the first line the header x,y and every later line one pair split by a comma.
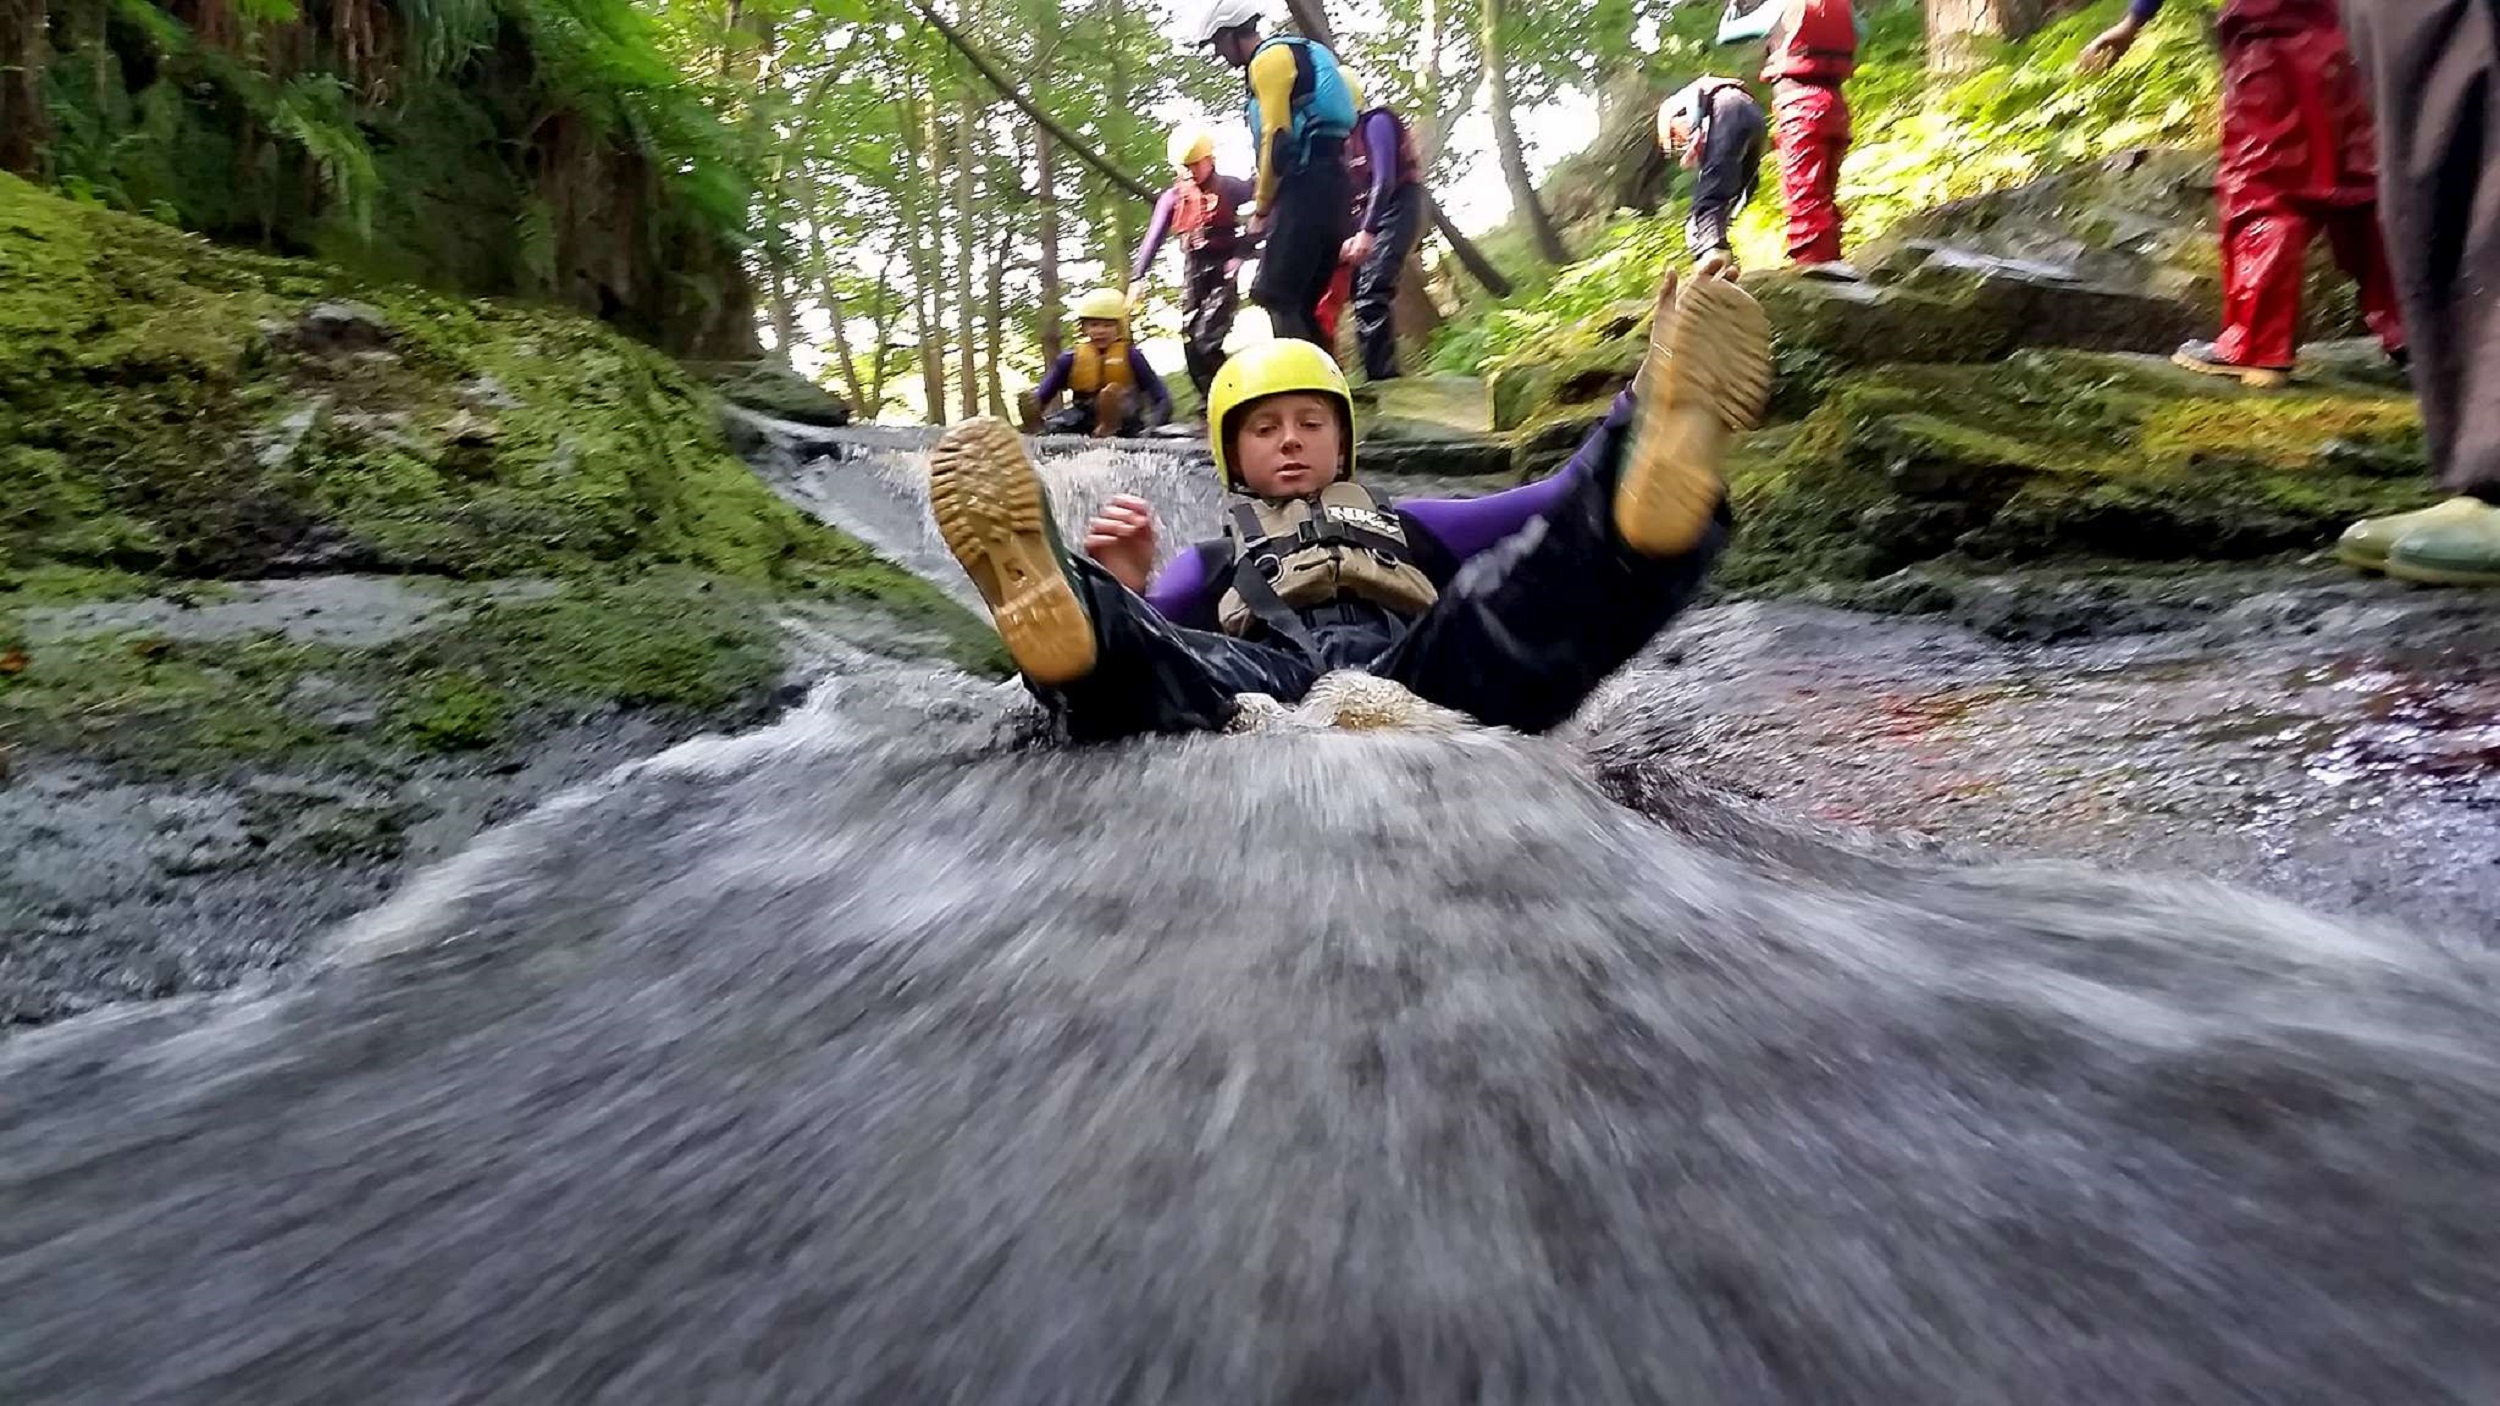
x,y
2360,561
995,519
1706,380
2258,378
2433,576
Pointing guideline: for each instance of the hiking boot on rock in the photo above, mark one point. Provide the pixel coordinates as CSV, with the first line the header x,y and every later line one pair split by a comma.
x,y
2365,545
1705,381
994,516
2459,550
2205,359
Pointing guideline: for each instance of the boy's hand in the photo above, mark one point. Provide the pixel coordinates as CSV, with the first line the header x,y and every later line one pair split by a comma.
x,y
1121,540
2112,44
1718,263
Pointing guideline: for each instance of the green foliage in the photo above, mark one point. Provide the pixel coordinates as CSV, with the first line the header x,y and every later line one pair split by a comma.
x,y
1920,140
486,146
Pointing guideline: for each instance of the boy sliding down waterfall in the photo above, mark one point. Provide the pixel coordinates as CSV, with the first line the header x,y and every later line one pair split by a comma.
x,y
1510,608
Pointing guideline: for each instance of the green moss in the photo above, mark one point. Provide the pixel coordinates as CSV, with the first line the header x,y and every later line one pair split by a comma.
x,y
671,641
2061,456
453,711
165,704
166,427
160,418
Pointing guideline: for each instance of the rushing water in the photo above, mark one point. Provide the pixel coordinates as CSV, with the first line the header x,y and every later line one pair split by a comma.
x,y
892,1054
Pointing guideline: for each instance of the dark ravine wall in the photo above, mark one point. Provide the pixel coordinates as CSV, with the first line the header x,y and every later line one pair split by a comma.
x,y
508,150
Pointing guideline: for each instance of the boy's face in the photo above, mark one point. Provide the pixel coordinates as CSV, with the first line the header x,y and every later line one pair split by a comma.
x,y
1101,331
1289,445
1202,170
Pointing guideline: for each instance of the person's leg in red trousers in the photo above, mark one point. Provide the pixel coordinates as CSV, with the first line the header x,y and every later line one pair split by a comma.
x,y
2296,154
1810,123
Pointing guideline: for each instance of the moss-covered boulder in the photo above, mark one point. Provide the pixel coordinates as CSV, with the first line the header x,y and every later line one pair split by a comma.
x,y
2064,456
175,416
771,388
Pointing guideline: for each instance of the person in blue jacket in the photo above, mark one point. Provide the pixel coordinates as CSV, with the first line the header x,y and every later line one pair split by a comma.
x,y
1301,110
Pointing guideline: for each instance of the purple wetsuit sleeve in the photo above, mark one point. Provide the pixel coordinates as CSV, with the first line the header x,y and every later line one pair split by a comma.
x,y
1469,525
1380,134
2142,11
1155,232
1179,584
1056,380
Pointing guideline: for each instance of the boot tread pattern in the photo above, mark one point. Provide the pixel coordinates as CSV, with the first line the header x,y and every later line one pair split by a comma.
x,y
1707,379
993,517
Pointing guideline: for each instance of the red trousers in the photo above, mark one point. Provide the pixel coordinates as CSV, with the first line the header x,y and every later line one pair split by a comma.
x,y
2297,157
1810,124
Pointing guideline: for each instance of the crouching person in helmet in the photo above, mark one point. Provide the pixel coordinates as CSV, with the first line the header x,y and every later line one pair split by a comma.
x,y
1111,390
1510,608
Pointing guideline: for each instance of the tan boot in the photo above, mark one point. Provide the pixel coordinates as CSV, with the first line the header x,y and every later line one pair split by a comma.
x,y
1705,381
1029,412
994,516
2205,360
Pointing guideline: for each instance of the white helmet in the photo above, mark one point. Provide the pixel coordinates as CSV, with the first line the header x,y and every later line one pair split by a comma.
x,y
1221,15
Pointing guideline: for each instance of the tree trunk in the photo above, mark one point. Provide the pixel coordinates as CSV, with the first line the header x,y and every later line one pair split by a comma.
x,y
1469,256
1309,17
1957,29
881,324
1523,196
785,316
25,127
998,318
920,131
1052,312
828,293
967,251
1117,212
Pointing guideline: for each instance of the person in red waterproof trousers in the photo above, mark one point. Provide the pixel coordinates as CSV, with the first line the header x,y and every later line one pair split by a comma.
x,y
1813,50
2297,156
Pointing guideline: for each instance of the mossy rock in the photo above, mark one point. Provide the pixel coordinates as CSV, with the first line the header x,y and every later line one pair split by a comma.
x,y
1579,364
163,393
173,415
2064,455
771,388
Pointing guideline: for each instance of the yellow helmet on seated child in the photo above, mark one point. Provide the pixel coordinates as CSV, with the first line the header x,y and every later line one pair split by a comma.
x,y
1273,368
1103,304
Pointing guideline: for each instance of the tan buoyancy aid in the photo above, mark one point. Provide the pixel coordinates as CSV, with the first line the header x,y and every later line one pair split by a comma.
x,y
1092,370
1300,552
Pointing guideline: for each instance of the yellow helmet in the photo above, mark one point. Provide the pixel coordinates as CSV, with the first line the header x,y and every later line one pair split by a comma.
x,y
1190,145
1109,304
1273,368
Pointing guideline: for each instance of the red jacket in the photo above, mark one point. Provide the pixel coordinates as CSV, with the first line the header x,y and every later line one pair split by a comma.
x,y
1816,41
2249,18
